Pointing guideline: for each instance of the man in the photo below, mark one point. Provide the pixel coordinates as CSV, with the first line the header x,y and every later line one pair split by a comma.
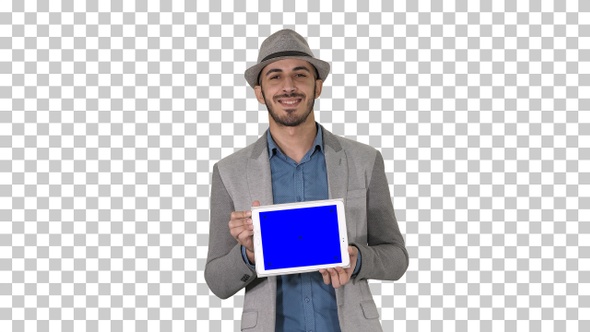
x,y
299,160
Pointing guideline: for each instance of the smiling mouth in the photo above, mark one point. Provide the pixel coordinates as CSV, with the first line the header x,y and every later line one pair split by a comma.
x,y
289,102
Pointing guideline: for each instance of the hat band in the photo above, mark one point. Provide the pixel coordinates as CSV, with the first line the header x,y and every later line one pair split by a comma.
x,y
286,53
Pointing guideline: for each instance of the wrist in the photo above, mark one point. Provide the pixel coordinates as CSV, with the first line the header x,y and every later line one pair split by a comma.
x,y
250,255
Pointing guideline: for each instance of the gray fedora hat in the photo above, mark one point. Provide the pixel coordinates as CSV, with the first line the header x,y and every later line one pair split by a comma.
x,y
281,45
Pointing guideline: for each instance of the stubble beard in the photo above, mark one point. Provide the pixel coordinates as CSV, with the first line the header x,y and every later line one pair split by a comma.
x,y
290,119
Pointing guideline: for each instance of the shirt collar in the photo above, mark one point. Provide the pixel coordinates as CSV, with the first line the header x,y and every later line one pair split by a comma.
x,y
273,148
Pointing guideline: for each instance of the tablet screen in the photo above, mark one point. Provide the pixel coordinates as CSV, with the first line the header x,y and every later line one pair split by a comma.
x,y
300,237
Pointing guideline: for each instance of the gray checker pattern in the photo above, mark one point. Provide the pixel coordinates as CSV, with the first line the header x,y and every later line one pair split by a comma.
x,y
112,114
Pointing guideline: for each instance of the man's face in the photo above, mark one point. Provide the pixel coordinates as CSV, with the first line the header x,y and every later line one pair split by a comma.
x,y
288,88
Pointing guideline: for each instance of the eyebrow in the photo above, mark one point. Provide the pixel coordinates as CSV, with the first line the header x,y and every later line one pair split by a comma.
x,y
277,70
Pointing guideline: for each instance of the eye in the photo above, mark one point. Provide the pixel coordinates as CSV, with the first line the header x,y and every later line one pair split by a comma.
x,y
274,77
301,75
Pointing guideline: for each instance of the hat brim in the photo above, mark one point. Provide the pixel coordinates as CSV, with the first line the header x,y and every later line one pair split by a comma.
x,y
251,74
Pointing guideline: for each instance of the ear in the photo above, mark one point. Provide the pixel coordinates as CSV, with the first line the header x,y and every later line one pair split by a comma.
x,y
318,87
258,92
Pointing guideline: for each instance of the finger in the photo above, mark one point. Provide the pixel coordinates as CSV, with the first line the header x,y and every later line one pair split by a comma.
x,y
325,276
240,215
342,276
334,278
234,230
239,223
245,239
238,226
256,203
245,235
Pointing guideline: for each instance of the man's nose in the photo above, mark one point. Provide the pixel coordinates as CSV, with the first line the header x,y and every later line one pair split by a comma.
x,y
288,84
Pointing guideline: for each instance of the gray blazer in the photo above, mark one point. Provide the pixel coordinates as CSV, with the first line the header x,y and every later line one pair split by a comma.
x,y
355,173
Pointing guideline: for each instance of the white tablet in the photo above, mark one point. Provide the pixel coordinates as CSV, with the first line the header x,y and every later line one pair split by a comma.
x,y
299,237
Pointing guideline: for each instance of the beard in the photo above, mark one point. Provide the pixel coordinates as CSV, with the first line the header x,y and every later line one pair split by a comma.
x,y
290,119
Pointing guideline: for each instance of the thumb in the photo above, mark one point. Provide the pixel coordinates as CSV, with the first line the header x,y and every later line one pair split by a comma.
x,y
256,203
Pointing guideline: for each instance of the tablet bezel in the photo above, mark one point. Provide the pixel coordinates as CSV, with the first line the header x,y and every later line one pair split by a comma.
x,y
259,250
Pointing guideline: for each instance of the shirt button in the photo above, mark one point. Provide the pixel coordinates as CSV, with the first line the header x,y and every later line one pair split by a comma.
x,y
307,300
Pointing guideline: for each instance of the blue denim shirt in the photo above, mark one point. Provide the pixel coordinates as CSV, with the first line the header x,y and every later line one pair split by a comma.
x,y
304,302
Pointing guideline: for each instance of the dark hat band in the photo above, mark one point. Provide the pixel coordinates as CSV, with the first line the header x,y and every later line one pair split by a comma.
x,y
286,53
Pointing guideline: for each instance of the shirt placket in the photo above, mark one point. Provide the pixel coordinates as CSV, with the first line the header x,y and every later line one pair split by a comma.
x,y
307,302
305,277
299,188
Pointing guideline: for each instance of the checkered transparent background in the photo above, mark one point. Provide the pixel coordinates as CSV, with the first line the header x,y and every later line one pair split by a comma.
x,y
112,115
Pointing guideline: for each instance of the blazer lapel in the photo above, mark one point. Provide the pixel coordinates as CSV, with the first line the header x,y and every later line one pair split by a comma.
x,y
336,166
260,186
258,173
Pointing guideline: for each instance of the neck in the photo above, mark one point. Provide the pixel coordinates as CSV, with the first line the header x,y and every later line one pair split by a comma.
x,y
294,141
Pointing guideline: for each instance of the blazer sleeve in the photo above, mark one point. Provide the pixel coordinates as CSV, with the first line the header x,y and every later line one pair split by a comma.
x,y
384,255
225,271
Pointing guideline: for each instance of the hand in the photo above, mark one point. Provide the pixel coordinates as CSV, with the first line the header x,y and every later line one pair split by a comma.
x,y
242,229
339,276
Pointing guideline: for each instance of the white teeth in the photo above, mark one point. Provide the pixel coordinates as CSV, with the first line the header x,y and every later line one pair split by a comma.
x,y
290,102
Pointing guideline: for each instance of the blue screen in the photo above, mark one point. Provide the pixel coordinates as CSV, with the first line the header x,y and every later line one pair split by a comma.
x,y
300,237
